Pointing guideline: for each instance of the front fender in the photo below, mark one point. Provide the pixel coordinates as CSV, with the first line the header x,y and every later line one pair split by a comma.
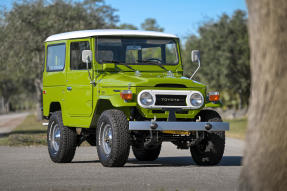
x,y
117,101
213,104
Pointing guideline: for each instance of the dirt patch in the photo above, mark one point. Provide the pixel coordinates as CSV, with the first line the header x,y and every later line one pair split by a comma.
x,y
10,122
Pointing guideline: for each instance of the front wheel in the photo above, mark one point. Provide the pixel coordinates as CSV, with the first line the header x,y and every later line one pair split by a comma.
x,y
209,151
146,154
113,138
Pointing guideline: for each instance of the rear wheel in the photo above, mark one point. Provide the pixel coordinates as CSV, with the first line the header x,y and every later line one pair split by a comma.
x,y
146,154
62,141
209,151
113,138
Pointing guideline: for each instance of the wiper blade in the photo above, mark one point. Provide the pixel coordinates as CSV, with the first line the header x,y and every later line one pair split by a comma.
x,y
117,62
154,62
110,61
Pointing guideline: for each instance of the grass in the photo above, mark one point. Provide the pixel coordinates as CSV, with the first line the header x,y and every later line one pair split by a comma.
x,y
237,128
29,132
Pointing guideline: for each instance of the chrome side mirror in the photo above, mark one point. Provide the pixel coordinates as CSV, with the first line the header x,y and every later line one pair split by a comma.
x,y
87,56
195,57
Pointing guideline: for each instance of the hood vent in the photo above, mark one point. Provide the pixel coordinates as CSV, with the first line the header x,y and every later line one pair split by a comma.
x,y
171,85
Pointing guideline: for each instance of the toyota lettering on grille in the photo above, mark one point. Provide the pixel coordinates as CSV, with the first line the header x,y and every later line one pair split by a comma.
x,y
171,100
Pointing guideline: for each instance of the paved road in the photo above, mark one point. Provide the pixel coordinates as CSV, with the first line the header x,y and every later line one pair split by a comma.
x,y
10,121
29,168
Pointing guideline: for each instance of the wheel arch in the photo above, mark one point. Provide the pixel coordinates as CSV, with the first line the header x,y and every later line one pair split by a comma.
x,y
103,105
54,106
206,113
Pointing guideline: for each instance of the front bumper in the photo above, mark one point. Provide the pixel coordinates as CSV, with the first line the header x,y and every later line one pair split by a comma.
x,y
177,126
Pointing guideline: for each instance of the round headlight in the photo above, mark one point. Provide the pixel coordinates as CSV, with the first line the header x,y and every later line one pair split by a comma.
x,y
196,100
146,99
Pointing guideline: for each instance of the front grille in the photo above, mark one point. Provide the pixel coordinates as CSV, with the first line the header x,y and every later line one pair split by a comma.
x,y
170,100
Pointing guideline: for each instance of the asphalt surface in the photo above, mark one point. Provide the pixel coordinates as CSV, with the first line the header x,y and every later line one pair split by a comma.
x,y
30,168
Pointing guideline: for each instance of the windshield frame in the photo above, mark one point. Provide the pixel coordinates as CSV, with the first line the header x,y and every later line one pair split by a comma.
x,y
140,63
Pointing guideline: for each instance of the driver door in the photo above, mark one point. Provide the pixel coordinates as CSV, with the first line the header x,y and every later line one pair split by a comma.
x,y
79,91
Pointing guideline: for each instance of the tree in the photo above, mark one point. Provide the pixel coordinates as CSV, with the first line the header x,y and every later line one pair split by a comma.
x,y
224,55
150,24
265,156
128,26
26,26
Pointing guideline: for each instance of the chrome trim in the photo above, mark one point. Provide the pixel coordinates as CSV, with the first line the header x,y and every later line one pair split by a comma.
x,y
170,92
55,137
180,126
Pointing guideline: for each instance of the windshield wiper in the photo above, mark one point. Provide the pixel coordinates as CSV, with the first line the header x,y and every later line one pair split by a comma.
x,y
117,62
154,61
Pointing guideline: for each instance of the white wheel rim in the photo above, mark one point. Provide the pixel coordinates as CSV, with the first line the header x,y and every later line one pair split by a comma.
x,y
107,139
55,137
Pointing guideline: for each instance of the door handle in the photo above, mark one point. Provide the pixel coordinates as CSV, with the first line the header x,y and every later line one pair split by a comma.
x,y
69,88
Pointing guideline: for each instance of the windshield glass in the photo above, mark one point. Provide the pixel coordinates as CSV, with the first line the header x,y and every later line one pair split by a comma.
x,y
137,51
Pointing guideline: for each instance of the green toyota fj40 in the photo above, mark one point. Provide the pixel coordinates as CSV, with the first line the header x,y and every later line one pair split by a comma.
x,y
121,88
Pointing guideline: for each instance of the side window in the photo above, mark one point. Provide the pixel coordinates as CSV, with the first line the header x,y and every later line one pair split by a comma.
x,y
56,57
76,55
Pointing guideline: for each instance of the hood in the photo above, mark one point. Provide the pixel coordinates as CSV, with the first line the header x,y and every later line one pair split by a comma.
x,y
147,79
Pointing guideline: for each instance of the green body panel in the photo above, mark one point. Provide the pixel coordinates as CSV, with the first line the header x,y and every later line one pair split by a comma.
x,y
82,104
213,104
78,101
54,84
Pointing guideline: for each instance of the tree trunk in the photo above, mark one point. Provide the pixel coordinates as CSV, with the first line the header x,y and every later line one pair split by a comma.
x,y
2,105
39,104
265,157
7,106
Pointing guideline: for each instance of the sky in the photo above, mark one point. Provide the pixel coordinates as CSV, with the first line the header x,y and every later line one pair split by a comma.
x,y
179,17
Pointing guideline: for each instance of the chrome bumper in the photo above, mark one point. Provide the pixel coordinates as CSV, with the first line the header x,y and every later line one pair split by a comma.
x,y
178,126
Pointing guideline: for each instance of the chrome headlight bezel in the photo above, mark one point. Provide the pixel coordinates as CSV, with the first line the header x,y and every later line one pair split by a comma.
x,y
196,99
146,99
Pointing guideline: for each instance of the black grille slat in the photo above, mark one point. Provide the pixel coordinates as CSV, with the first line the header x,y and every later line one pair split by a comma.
x,y
170,100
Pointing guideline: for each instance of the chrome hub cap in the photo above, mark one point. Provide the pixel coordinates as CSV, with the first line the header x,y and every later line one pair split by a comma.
x,y
107,139
55,136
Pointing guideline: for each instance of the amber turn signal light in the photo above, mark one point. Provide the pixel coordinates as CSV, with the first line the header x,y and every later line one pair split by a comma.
x,y
213,96
126,95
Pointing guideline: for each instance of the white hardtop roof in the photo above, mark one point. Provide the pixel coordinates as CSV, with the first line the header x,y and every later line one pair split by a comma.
x,y
107,32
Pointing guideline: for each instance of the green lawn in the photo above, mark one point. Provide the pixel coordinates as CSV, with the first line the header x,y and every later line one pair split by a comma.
x,y
31,132
237,128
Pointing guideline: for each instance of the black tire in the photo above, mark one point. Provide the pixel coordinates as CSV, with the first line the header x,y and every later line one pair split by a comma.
x,y
66,143
210,150
146,154
113,151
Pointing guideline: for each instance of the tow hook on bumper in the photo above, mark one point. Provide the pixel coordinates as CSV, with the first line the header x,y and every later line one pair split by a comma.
x,y
153,125
208,126
177,126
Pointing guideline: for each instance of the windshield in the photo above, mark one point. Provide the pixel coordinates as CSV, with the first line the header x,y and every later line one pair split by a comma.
x,y
137,51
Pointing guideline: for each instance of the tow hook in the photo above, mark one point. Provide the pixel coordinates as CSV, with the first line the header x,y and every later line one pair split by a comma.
x,y
153,125
208,126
